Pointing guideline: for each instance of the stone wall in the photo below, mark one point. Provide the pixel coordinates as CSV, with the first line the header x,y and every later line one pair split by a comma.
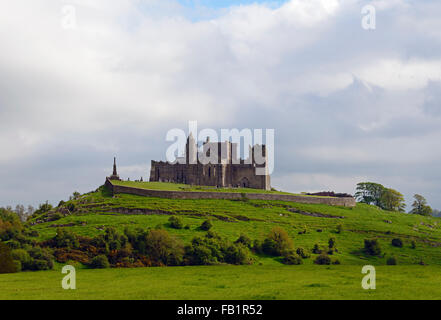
x,y
345,202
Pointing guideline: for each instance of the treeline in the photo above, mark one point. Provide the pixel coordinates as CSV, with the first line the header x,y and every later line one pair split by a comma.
x,y
390,199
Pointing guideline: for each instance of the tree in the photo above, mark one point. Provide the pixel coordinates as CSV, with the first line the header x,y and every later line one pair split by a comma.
x,y
419,206
369,193
392,200
377,194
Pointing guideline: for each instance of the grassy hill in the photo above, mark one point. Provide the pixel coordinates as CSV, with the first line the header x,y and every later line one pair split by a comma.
x,y
255,218
267,277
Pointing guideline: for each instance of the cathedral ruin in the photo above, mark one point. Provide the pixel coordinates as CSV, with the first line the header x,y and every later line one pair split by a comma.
x,y
217,165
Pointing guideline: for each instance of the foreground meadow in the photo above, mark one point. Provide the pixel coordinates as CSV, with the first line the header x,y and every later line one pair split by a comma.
x,y
228,282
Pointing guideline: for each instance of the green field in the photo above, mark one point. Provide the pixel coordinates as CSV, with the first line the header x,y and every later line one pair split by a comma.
x,y
228,282
185,187
267,277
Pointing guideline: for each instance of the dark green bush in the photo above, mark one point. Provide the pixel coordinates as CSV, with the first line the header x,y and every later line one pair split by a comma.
x,y
99,262
316,249
397,242
24,258
176,222
292,259
413,244
372,247
323,259
269,247
391,261
257,246
336,261
7,264
243,239
163,249
206,225
238,254
331,243
303,253
66,239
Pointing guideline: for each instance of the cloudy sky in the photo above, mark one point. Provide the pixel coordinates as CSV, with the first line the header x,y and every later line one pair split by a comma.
x,y
84,80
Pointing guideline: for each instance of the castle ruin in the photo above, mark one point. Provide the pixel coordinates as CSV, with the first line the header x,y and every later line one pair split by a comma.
x,y
217,165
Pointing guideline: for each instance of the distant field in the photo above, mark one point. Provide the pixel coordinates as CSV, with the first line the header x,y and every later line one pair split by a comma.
x,y
228,282
186,187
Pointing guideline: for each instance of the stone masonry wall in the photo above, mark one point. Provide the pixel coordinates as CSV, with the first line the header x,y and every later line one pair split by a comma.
x,y
345,202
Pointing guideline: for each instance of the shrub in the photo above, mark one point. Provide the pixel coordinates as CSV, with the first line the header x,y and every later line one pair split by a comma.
x,y
7,264
331,243
65,239
176,222
40,264
23,257
243,239
269,247
292,259
413,244
206,225
257,246
238,254
316,249
323,259
391,261
13,244
303,253
163,249
397,242
372,247
336,261
280,242
99,262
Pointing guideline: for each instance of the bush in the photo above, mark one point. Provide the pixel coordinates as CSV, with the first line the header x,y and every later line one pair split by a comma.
x,y
413,244
397,242
336,261
206,225
269,247
243,239
372,247
303,253
176,222
7,264
323,259
99,262
163,249
292,259
238,254
391,261
65,239
257,246
331,243
316,249
277,242
23,257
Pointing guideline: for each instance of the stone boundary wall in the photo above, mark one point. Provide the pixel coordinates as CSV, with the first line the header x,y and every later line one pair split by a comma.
x,y
344,202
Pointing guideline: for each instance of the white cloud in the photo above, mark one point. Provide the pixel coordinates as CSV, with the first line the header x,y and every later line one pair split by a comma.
x,y
339,97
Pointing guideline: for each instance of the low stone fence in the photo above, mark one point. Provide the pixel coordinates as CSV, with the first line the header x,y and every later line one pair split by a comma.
x,y
344,202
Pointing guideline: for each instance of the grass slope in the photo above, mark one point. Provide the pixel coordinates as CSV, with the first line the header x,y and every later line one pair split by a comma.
x,y
255,218
267,278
